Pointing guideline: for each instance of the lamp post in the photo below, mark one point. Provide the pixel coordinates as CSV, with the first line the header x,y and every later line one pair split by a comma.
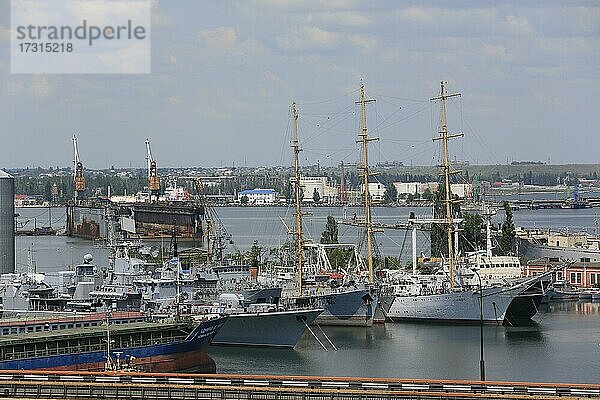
x,y
481,361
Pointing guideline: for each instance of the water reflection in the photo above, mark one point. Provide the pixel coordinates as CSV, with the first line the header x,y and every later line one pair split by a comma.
x,y
575,307
531,333
232,359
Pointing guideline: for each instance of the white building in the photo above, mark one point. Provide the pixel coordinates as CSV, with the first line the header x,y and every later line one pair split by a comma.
x,y
327,192
415,187
462,190
259,196
376,191
407,187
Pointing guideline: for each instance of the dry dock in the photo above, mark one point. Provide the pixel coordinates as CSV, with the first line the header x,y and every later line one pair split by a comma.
x,y
132,385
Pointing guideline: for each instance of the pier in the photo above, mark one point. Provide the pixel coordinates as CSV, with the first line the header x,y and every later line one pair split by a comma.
x,y
133,385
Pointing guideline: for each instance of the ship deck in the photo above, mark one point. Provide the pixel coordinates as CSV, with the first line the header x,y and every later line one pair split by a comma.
x,y
80,340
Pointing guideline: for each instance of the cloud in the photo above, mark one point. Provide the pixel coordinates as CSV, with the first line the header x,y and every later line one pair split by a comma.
x,y
416,14
4,34
308,38
352,19
234,67
363,41
303,5
519,25
38,88
222,36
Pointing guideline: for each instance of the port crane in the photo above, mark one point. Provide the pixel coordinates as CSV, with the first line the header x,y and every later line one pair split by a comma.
x,y
153,179
78,178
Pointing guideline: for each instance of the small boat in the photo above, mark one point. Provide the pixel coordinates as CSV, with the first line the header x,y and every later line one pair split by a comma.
x,y
562,291
585,296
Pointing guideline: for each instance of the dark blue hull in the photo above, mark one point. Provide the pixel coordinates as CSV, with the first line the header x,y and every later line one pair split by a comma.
x,y
179,355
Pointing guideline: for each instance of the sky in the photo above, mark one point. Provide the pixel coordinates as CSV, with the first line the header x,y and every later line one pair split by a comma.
x,y
224,74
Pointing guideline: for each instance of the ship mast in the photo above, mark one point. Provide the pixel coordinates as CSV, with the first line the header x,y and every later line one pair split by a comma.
x,y
298,197
444,137
364,140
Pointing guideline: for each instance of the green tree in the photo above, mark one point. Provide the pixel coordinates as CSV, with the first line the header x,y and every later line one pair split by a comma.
x,y
337,257
427,195
508,231
330,234
255,252
391,194
439,232
316,196
473,233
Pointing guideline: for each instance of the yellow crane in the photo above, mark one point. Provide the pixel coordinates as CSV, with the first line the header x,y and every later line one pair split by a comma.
x,y
78,178
153,179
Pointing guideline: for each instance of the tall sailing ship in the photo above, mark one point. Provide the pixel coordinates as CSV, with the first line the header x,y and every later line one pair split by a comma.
x,y
455,292
351,304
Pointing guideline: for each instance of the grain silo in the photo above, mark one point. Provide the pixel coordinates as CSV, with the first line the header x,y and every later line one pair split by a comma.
x,y
7,223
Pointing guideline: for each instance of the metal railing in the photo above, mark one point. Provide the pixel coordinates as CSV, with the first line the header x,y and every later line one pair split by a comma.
x,y
114,385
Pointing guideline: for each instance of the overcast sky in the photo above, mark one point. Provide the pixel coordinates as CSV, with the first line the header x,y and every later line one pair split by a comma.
x,y
225,72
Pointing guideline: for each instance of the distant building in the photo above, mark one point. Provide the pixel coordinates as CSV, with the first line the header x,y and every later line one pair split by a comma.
x,y
459,189
462,190
259,196
415,187
583,274
24,200
327,192
407,187
376,191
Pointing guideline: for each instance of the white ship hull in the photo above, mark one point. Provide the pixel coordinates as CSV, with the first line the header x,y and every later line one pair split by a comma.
x,y
460,306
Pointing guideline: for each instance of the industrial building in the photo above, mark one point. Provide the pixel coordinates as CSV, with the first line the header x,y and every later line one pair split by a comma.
x,y
7,223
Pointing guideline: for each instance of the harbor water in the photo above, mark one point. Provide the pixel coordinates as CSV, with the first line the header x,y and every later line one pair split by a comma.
x,y
562,346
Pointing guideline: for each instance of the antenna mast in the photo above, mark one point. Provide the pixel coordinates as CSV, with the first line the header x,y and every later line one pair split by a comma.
x,y
298,197
447,172
364,139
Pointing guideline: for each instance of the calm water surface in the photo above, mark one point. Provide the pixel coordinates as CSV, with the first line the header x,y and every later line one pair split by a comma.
x,y
247,224
563,346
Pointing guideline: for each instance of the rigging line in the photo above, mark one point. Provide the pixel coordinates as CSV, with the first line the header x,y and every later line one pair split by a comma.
x,y
383,120
325,114
493,156
334,118
407,140
321,130
409,116
388,237
286,138
325,149
430,147
395,112
401,98
395,104
329,100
